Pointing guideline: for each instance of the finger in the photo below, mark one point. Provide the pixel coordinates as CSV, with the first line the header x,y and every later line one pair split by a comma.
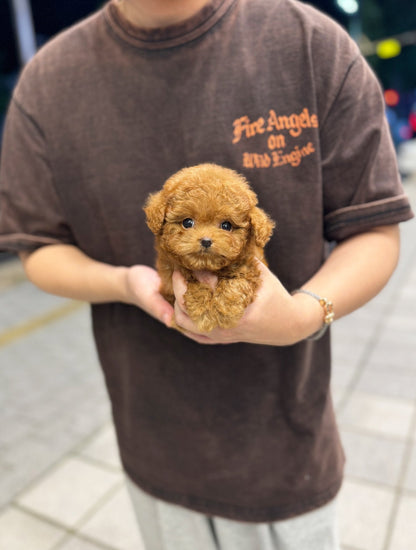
x,y
166,314
187,326
208,339
264,270
160,309
181,317
207,278
199,338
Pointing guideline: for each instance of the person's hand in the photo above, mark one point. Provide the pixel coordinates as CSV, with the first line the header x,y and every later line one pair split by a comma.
x,y
142,289
274,318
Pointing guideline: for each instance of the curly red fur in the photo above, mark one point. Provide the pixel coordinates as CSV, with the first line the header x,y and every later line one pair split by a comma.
x,y
226,234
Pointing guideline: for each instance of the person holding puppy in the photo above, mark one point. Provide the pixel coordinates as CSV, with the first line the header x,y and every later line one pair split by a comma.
x,y
228,438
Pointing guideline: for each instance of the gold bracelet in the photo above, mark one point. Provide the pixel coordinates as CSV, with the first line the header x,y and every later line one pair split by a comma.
x,y
328,308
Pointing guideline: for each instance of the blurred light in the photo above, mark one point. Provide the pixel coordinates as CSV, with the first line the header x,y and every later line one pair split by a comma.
x,y
391,97
386,49
25,32
412,121
349,6
405,132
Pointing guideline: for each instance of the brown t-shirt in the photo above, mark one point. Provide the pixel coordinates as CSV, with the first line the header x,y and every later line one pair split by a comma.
x,y
101,117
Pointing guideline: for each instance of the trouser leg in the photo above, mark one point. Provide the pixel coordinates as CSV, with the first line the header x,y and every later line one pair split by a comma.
x,y
316,530
165,526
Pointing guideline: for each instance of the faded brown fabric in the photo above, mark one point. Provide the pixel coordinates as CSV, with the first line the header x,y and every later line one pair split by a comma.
x,y
102,116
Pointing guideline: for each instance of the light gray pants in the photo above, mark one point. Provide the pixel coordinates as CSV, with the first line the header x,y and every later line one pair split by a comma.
x,y
166,526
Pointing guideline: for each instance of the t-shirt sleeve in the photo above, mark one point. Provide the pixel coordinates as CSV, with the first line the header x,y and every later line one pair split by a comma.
x,y
30,211
362,187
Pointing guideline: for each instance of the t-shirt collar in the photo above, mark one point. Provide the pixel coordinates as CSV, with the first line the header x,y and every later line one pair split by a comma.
x,y
167,37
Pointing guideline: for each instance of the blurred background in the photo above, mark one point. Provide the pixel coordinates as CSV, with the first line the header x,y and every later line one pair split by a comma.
x,y
384,29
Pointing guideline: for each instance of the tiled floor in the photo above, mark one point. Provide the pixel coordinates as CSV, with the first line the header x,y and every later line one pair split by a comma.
x,y
61,484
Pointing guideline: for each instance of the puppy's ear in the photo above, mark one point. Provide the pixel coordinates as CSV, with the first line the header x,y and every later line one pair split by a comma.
x,y
155,209
262,226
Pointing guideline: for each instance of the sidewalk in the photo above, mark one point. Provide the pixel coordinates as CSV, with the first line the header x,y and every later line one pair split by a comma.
x,y
61,484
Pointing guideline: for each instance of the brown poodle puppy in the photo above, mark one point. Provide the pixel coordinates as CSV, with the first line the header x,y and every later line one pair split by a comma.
x,y
205,218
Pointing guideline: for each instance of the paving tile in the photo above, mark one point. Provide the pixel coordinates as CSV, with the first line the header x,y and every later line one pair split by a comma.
x,y
403,321
404,533
26,458
39,422
21,531
405,305
347,347
410,478
81,424
103,447
77,543
23,302
13,482
379,415
373,458
395,352
12,274
361,322
364,511
392,383
359,326
115,523
29,458
69,491
14,428
337,397
342,374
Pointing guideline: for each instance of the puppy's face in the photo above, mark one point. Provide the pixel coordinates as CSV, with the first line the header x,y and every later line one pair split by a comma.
x,y
204,217
204,230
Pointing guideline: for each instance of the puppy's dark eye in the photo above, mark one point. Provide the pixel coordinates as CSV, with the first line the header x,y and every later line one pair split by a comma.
x,y
227,226
188,223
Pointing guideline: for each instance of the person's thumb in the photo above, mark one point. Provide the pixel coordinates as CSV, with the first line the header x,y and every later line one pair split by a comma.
x,y
161,309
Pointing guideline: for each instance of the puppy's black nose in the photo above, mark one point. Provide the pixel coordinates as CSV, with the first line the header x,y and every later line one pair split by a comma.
x,y
206,242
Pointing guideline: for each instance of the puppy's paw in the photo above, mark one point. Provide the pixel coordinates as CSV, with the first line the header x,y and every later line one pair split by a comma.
x,y
230,301
198,304
206,322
